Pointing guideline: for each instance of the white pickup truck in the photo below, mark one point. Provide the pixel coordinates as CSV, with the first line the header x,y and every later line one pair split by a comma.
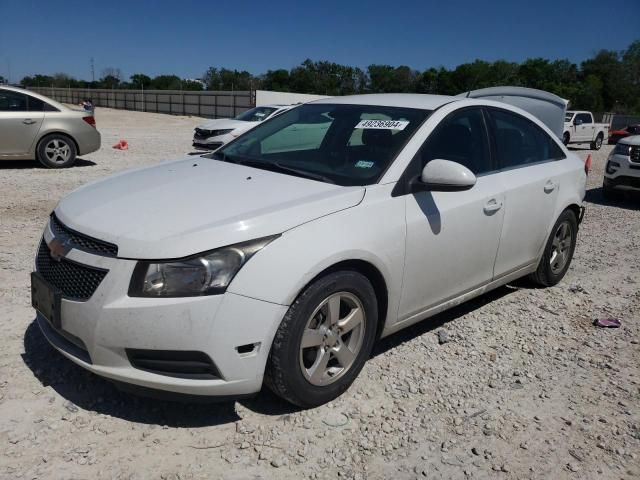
x,y
579,127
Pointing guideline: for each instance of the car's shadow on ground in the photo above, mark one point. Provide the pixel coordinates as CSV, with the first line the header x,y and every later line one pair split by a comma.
x,y
629,200
34,164
84,390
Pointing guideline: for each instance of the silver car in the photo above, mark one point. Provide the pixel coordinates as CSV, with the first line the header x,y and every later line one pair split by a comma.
x,y
34,127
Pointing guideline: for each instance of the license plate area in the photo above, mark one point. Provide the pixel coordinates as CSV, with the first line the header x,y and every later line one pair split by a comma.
x,y
46,299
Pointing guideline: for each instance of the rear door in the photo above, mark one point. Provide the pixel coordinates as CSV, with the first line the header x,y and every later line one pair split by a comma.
x,y
18,125
452,237
527,157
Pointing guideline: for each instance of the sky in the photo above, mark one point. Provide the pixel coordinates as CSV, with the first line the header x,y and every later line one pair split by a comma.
x,y
186,37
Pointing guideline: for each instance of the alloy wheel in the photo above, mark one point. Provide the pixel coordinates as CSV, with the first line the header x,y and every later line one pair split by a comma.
x,y
560,247
57,151
332,338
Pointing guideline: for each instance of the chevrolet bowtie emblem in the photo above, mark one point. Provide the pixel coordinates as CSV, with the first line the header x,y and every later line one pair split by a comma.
x,y
58,249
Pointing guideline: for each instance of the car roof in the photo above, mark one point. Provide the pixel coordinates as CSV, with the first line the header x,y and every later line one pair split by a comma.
x,y
44,98
406,100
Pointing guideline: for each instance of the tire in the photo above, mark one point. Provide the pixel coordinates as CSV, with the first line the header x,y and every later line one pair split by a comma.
x,y
597,145
57,151
565,138
552,269
301,375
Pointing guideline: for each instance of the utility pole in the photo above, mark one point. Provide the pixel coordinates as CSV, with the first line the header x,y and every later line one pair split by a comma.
x,y
93,71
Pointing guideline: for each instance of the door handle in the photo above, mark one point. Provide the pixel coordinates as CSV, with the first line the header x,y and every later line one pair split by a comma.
x,y
28,121
549,187
492,206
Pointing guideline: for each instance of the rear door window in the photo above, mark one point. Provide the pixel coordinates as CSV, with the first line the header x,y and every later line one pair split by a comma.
x,y
519,141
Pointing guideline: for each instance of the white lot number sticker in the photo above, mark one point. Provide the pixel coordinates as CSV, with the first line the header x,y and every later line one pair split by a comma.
x,y
383,124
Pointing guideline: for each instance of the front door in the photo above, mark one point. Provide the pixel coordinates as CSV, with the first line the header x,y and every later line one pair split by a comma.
x,y
584,131
452,237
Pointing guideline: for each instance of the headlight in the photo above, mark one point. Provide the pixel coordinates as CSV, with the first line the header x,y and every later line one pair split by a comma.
x,y
208,273
622,149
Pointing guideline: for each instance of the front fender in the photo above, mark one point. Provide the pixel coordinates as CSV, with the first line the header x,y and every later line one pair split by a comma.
x,y
373,231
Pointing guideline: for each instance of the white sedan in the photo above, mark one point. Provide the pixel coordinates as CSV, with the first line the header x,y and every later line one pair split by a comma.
x,y
282,261
215,133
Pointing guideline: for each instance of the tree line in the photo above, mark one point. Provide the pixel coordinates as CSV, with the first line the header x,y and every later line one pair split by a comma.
x,y
608,81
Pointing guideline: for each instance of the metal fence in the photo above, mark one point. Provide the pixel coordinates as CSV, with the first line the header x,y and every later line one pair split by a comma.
x,y
617,121
209,104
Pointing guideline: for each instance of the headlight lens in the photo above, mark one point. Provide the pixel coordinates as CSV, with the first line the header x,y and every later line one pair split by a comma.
x,y
622,149
204,274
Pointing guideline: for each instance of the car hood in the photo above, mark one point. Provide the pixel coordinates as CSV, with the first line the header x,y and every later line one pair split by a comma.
x,y
633,140
225,124
184,207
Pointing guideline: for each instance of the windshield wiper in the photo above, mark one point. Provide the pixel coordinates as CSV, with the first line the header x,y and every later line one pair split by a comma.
x,y
278,167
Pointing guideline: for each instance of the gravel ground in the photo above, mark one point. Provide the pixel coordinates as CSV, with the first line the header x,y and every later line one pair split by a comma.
x,y
516,384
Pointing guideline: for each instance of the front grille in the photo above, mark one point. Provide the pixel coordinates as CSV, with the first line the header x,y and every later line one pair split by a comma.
x,y
75,281
635,154
174,363
81,241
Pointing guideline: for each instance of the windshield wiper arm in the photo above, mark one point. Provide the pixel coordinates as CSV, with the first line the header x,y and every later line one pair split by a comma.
x,y
304,173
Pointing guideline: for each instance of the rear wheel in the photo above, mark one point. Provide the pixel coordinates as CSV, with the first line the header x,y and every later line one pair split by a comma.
x,y
324,340
57,151
597,144
558,251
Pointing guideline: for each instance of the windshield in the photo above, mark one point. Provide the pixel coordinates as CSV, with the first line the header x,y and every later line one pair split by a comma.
x,y
256,114
341,144
568,116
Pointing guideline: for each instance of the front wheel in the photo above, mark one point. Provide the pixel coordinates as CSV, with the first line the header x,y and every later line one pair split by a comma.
x,y
565,138
57,151
558,251
324,340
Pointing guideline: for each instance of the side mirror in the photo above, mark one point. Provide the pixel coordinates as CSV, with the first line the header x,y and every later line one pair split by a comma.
x,y
445,176
577,122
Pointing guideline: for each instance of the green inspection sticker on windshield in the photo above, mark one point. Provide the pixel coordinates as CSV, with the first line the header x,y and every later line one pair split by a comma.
x,y
364,164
